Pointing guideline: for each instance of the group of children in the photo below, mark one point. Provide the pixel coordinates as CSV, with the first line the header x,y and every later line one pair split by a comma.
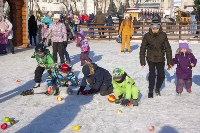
x,y
99,79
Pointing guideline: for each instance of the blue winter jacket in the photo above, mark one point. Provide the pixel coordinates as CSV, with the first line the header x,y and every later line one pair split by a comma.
x,y
57,79
47,20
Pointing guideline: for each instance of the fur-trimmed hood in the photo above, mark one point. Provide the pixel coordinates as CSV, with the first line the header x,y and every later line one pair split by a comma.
x,y
178,51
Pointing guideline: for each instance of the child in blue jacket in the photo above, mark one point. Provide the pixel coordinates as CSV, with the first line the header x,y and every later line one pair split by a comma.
x,y
62,77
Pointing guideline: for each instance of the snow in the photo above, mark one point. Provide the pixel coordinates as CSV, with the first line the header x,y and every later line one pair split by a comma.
x,y
39,113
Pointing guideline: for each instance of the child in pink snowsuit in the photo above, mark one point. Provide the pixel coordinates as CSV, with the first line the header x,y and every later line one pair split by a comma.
x,y
82,42
185,60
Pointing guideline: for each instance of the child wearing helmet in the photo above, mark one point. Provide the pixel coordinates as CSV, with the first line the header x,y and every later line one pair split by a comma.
x,y
45,62
125,89
82,42
62,77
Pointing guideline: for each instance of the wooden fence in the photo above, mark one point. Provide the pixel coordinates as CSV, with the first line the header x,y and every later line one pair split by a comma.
x,y
182,31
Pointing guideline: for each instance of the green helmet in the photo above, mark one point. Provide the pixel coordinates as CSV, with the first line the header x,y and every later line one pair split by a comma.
x,y
118,73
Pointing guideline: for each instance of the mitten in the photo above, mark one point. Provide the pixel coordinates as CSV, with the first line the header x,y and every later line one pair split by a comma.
x,y
80,91
85,92
125,102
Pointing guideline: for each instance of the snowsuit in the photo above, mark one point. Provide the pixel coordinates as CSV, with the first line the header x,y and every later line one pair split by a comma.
x,y
184,69
125,87
56,80
85,51
44,63
156,45
126,30
100,80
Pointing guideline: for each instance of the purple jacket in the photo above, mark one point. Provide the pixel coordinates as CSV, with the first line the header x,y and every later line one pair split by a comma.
x,y
184,69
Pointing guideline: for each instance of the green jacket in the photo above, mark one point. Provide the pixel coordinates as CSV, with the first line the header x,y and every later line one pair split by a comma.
x,y
46,61
126,87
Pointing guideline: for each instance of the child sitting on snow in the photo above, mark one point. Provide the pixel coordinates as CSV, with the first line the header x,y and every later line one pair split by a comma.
x,y
185,60
125,90
62,77
82,42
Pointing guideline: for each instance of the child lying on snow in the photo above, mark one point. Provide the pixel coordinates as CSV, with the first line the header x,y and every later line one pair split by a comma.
x,y
125,89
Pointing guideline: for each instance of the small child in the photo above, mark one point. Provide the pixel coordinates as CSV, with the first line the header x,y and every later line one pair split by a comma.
x,y
62,77
44,31
45,62
125,90
82,42
185,60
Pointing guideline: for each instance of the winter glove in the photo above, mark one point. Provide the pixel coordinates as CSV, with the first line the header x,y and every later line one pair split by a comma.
x,y
125,102
80,91
85,92
117,101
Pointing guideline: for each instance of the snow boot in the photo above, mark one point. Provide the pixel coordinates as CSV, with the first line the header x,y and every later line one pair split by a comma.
x,y
189,90
135,102
27,92
157,91
56,92
150,95
36,85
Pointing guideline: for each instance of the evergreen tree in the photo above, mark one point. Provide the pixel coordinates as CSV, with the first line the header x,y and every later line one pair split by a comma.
x,y
121,9
112,9
127,4
197,9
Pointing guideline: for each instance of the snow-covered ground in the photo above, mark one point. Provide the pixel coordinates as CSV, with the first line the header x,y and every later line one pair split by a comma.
x,y
44,114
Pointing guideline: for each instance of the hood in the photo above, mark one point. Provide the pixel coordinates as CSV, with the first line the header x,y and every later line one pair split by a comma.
x,y
89,69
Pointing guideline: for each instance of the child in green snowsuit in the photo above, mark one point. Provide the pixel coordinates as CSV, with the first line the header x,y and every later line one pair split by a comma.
x,y
125,89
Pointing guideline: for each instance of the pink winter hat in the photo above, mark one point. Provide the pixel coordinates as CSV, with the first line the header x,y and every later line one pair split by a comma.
x,y
184,45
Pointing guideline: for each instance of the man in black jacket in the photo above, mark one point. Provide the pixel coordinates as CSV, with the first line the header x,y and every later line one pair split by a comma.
x,y
97,78
156,44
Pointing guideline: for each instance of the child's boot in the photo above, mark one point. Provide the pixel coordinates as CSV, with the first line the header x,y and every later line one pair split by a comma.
x,y
135,102
189,90
36,85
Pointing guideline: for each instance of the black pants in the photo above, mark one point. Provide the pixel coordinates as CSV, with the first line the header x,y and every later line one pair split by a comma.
x,y
38,73
106,89
11,46
159,66
34,37
58,47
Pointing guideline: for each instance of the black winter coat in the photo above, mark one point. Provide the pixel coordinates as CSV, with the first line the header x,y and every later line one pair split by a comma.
x,y
101,76
32,26
156,47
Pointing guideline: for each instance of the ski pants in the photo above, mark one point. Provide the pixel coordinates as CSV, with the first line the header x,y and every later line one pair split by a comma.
x,y
84,57
38,73
125,40
181,83
134,92
58,47
11,46
153,66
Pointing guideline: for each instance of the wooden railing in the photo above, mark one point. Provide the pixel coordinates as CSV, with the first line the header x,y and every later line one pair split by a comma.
x,y
182,31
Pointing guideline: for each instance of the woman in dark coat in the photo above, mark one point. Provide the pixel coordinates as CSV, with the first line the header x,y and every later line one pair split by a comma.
x,y
97,78
32,29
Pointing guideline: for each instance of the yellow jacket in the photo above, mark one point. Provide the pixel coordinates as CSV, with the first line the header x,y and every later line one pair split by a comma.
x,y
126,28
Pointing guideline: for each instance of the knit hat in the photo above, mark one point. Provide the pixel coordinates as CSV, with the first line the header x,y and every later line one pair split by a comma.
x,y
184,45
56,16
81,33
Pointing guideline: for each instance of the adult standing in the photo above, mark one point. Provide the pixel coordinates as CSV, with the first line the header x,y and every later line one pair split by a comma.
x,y
10,35
100,20
58,37
126,31
156,44
32,29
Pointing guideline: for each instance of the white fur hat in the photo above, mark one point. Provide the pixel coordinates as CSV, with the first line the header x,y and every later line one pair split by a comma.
x,y
56,16
127,15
